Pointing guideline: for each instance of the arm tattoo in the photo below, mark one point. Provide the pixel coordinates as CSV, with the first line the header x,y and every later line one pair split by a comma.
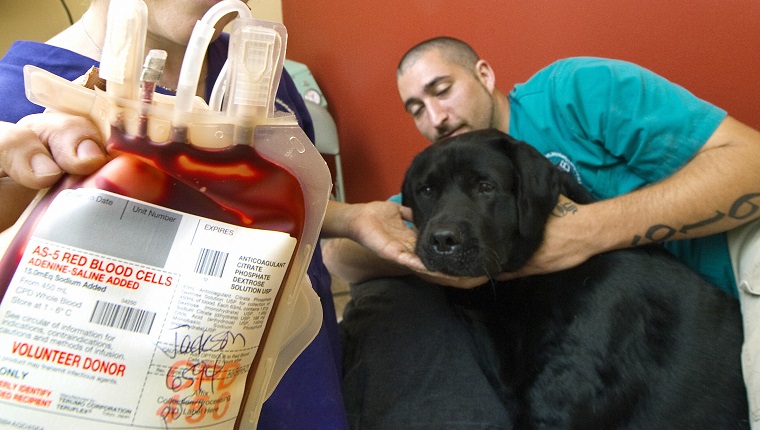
x,y
563,209
742,208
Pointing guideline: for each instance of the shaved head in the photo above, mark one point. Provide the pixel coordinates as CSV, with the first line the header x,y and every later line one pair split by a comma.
x,y
452,50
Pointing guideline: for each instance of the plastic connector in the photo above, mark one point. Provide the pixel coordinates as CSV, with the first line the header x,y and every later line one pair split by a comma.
x,y
253,70
258,49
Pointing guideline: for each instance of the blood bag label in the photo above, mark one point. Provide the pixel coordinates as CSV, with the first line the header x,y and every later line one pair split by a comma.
x,y
122,313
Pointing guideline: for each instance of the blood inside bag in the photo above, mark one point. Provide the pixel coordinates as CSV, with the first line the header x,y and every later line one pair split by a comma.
x,y
233,185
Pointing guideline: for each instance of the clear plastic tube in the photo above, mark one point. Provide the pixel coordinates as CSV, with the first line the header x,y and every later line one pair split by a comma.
x,y
193,61
220,87
216,12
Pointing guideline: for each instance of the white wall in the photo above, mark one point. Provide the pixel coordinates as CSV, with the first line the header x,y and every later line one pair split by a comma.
x,y
268,10
31,20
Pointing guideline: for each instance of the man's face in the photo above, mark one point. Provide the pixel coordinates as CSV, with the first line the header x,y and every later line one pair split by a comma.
x,y
443,98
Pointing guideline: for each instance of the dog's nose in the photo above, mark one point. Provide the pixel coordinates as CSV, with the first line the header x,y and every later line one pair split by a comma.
x,y
446,240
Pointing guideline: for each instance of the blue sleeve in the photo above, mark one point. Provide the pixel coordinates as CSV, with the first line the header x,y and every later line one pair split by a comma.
x,y
14,105
653,125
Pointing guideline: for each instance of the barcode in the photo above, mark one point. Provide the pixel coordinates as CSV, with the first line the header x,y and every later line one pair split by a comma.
x,y
122,317
210,262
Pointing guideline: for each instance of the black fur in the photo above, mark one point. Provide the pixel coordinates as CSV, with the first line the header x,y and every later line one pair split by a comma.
x,y
630,339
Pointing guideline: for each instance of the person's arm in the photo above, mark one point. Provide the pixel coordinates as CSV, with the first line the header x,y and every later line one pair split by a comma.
x,y
355,263
717,190
36,151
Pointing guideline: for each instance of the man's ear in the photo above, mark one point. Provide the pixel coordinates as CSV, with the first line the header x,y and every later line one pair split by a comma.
x,y
485,75
536,193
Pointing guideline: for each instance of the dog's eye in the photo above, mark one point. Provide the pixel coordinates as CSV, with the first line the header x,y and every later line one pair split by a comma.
x,y
485,187
425,190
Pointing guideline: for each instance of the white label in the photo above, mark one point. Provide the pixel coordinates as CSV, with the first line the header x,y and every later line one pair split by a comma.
x,y
122,313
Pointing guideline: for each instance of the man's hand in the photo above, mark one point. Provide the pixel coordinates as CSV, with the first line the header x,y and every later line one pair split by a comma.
x,y
452,281
568,241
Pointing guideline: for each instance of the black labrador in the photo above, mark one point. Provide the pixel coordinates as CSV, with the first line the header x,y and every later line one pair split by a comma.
x,y
630,339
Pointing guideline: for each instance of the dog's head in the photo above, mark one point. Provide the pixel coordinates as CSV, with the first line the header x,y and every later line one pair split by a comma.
x,y
480,202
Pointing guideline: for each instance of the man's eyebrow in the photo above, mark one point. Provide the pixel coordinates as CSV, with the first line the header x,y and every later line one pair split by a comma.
x,y
427,89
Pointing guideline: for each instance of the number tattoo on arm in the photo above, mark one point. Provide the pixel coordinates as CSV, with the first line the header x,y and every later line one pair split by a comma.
x,y
741,209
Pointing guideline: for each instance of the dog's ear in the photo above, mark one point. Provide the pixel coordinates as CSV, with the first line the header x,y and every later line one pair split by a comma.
x,y
537,190
407,187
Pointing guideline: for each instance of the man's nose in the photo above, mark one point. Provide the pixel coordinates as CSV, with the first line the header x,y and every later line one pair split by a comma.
x,y
437,113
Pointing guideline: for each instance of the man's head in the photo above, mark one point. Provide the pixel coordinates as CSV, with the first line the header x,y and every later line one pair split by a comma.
x,y
449,89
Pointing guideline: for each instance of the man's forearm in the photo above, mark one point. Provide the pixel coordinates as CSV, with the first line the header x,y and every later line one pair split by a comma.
x,y
718,190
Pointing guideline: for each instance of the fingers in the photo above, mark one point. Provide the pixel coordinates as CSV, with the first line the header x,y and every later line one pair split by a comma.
x,y
21,152
74,141
406,213
508,276
453,281
409,258
37,150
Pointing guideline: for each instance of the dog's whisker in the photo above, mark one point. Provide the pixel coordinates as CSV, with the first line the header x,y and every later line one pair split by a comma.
x,y
490,258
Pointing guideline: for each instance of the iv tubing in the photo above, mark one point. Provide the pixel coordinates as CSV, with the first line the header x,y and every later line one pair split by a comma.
x,y
196,52
220,88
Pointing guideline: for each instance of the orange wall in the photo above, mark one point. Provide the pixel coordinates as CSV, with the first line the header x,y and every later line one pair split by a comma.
x,y
711,47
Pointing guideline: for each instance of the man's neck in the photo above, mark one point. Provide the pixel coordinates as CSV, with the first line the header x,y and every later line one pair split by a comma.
x,y
501,114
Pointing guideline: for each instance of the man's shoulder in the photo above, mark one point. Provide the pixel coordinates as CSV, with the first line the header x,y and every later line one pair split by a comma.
x,y
573,77
586,67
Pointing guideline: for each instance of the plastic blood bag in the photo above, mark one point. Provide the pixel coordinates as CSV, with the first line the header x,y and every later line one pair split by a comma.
x,y
168,289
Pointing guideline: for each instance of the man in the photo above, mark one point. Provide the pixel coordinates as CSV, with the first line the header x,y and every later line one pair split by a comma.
x,y
667,166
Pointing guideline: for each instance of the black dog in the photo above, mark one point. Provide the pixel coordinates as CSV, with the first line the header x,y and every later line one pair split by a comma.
x,y
630,339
